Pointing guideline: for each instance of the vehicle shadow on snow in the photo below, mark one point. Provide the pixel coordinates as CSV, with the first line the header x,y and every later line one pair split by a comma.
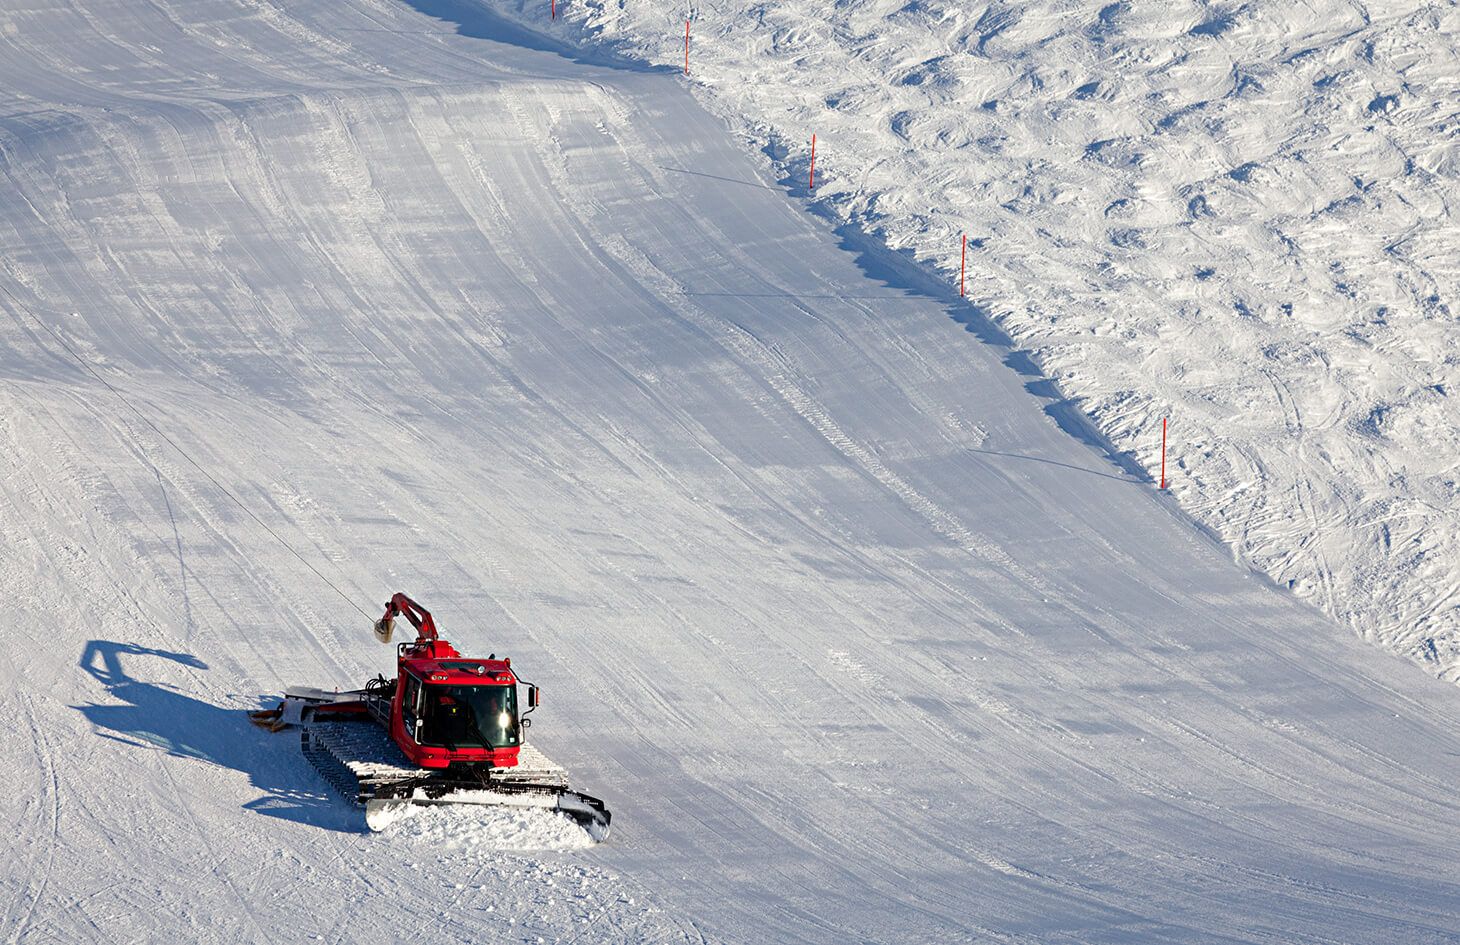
x,y
158,717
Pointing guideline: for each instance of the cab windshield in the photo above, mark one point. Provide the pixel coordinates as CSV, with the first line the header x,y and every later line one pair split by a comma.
x,y
470,716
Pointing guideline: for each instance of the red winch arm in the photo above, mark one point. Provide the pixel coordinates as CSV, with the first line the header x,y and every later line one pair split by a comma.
x,y
419,616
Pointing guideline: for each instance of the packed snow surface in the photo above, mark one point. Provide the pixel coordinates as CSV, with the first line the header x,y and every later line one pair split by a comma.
x,y
1240,216
859,633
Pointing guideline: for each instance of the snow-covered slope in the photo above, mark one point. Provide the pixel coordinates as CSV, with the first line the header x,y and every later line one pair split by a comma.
x,y
858,642
1237,215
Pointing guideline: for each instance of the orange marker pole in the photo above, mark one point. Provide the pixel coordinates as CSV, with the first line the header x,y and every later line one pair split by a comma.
x,y
811,183
1163,452
686,47
963,266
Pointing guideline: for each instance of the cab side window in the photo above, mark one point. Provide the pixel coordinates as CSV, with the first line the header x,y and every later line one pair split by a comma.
x,y
410,705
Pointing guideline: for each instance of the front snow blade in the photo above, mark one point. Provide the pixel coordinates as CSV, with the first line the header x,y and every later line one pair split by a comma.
x,y
588,812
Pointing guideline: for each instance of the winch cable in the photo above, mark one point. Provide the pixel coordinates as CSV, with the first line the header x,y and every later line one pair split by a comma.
x,y
197,465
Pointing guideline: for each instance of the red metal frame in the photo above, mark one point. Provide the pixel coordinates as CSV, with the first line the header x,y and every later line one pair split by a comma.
x,y
419,617
423,660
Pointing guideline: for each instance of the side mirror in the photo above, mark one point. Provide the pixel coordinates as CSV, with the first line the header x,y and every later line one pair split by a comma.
x,y
534,697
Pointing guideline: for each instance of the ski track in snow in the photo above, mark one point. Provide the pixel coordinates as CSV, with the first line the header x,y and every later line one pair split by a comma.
x,y
1239,216
857,643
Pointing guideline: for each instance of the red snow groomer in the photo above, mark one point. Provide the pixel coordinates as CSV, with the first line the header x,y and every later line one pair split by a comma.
x,y
445,730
